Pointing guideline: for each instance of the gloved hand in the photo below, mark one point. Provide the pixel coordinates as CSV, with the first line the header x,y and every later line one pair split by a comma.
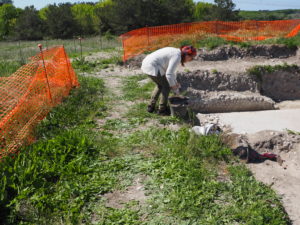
x,y
176,91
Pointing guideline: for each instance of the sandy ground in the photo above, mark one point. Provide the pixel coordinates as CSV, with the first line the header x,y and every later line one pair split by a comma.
x,y
285,179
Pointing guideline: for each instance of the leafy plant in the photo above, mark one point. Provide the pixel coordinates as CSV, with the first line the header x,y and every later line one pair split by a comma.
x,y
214,71
79,110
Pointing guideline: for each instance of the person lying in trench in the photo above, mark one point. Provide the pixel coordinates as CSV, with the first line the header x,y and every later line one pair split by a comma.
x,y
161,66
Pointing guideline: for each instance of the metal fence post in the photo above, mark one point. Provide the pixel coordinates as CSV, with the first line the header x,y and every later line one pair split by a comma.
x,y
49,90
80,48
148,36
68,66
22,61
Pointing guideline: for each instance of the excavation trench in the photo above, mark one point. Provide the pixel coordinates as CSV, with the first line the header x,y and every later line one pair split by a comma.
x,y
218,92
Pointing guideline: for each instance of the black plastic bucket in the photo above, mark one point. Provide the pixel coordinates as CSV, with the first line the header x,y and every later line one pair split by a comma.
x,y
179,106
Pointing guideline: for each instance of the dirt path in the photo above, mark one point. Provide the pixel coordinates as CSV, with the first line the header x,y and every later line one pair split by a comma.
x,y
118,107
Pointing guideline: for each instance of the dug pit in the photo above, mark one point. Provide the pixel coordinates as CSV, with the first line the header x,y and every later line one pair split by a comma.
x,y
218,92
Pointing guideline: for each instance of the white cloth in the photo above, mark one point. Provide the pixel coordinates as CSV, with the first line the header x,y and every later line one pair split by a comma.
x,y
163,61
206,129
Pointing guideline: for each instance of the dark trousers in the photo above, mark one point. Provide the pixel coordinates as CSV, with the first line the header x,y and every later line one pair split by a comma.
x,y
163,88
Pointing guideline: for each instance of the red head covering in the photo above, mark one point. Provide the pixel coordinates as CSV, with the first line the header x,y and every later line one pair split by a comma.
x,y
189,50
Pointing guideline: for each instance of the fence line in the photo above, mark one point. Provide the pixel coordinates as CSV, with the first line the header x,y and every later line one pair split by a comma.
x,y
150,38
25,98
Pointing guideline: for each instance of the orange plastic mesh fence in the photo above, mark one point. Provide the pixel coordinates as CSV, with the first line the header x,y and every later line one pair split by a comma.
x,y
151,38
28,95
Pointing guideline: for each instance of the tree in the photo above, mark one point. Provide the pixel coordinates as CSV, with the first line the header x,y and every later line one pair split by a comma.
x,y
122,16
2,2
103,10
43,13
203,11
224,10
29,25
8,17
85,17
176,11
60,22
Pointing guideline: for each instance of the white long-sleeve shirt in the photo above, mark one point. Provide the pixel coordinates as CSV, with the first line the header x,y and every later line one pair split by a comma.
x,y
163,61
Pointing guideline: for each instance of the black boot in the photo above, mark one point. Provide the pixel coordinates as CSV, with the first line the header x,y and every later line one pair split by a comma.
x,y
164,112
151,108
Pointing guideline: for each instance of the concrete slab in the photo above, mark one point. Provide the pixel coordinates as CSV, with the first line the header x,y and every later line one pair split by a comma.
x,y
251,122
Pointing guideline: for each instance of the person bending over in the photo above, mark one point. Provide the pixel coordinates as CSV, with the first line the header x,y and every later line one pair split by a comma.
x,y
161,66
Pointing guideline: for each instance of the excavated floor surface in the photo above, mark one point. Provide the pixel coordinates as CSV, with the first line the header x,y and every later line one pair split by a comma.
x,y
255,121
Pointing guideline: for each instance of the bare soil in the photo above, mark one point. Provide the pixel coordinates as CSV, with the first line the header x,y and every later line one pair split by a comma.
x,y
135,192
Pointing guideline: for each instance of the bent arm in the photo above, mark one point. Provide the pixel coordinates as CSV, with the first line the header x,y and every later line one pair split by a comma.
x,y
170,73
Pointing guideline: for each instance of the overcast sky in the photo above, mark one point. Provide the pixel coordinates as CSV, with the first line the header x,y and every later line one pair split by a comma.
x,y
240,4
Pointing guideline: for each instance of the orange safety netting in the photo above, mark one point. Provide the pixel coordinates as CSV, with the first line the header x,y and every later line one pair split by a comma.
x,y
151,38
29,94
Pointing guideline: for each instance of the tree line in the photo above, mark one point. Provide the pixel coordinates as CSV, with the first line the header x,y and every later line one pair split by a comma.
x,y
68,20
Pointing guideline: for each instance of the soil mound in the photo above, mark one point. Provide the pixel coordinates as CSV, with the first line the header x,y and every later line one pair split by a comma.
x,y
274,141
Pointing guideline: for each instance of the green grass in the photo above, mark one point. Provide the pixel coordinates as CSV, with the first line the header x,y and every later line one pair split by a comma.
x,y
57,175
8,68
292,42
78,111
22,50
82,65
211,42
138,114
135,91
186,186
